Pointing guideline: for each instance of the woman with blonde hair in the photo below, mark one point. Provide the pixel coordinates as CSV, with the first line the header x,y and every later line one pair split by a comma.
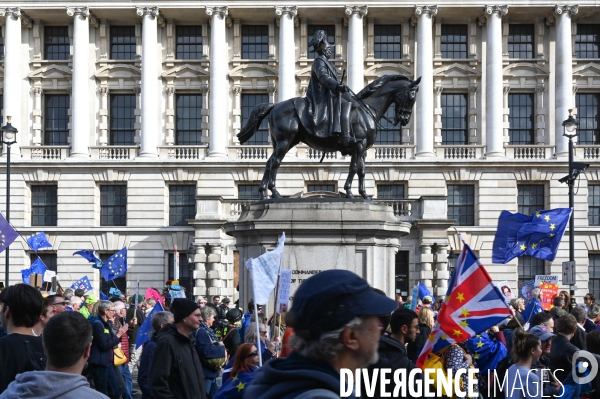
x,y
425,317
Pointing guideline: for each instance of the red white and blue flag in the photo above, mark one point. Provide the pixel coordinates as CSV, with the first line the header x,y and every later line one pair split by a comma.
x,y
472,305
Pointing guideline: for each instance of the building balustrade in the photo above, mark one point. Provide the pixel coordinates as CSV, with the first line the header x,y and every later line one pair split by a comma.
x,y
183,152
532,152
45,152
114,152
461,152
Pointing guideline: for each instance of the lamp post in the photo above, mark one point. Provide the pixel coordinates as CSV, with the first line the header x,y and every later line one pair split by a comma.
x,y
190,255
9,137
452,257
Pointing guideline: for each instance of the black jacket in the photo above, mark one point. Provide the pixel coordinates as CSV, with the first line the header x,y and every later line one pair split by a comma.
x,y
414,349
14,356
561,356
579,339
145,366
589,326
103,342
177,372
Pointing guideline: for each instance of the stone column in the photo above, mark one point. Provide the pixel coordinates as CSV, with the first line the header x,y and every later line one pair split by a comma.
x,y
218,93
494,82
149,103
12,73
356,66
170,111
199,275
564,75
426,272
214,272
37,115
80,97
287,52
441,271
103,112
424,16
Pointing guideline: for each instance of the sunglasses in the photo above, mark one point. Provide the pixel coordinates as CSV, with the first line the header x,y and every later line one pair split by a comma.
x,y
255,353
59,303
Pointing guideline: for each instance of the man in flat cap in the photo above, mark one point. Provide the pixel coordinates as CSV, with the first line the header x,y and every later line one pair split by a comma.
x,y
336,326
178,372
328,111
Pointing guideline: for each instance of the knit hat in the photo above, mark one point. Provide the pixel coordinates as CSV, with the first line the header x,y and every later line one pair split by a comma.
x,y
140,298
182,308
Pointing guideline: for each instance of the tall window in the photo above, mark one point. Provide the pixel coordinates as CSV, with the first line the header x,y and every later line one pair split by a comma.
x,y
113,205
184,271
389,134
310,31
587,41
529,267
249,101
520,41
189,42
520,118
402,268
43,205
49,259
248,191
1,47
56,119
182,204
588,114
454,119
530,198
255,42
594,273
454,41
594,205
122,119
188,119
461,204
122,42
120,282
390,191
387,41
56,43
321,187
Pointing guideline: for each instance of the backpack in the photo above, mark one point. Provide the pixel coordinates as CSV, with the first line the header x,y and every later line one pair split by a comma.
x,y
36,361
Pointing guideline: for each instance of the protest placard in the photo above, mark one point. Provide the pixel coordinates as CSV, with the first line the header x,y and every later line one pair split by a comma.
x,y
285,280
548,285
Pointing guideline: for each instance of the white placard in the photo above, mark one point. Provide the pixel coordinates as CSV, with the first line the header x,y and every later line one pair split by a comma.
x,y
283,300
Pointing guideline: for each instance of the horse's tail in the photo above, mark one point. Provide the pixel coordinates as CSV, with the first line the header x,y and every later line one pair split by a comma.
x,y
256,116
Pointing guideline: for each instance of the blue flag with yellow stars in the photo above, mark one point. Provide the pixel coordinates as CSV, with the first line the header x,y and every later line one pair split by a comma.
x,y
533,307
83,283
38,241
90,256
145,331
7,233
234,387
115,266
38,267
486,352
538,235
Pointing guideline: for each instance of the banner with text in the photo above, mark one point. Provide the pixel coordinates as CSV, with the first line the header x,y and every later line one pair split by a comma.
x,y
548,285
285,281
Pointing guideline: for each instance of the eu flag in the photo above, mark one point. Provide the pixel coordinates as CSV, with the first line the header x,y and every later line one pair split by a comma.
x,y
7,233
115,266
103,296
38,241
538,235
145,330
38,267
90,256
25,273
424,291
83,283
486,352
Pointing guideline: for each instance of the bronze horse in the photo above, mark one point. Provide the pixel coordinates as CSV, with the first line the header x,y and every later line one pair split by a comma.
x,y
370,106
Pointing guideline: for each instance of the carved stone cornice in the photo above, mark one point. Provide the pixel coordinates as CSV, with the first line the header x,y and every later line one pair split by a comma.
x,y
237,90
271,90
438,90
37,91
571,10
360,10
506,89
204,89
501,10
17,13
473,88
103,90
421,10
170,90
291,10
223,11
83,11
540,88
152,11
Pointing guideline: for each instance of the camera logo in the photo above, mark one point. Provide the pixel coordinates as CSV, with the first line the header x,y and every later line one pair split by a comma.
x,y
584,371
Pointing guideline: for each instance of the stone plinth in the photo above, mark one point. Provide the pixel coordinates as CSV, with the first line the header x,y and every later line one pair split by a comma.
x,y
321,234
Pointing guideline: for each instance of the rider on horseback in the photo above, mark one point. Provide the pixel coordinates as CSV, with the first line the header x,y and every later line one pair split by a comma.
x,y
327,106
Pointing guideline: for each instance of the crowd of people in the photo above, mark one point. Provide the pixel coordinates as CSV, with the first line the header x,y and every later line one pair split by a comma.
x,y
75,346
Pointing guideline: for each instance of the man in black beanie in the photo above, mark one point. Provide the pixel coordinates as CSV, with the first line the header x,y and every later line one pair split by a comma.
x,y
180,372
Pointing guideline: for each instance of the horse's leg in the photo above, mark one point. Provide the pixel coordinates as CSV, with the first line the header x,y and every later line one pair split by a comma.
x,y
262,188
279,152
361,171
351,172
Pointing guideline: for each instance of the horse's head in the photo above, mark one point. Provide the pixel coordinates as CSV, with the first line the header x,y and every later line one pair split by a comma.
x,y
404,101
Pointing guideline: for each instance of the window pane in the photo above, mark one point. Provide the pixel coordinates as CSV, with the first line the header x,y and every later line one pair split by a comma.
x,y
249,101
248,191
56,43
461,200
520,41
520,118
529,267
122,119
122,42
1,47
594,205
594,274
387,41
113,205
188,119
56,120
321,187
43,205
454,119
189,42
311,29
389,134
49,260
587,41
182,204
530,198
390,191
255,42
587,114
402,268
454,41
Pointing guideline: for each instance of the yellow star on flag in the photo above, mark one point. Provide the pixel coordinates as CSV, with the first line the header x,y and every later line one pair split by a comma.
x,y
476,356
551,234
235,378
460,296
444,337
547,217
537,214
523,247
464,313
552,226
479,344
431,337
534,245
458,333
240,386
464,323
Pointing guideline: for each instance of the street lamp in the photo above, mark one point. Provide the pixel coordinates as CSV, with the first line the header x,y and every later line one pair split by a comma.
x,y
575,168
452,257
9,137
190,256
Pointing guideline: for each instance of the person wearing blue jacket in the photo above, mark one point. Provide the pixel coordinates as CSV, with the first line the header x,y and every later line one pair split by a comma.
x,y
206,348
101,353
248,318
159,320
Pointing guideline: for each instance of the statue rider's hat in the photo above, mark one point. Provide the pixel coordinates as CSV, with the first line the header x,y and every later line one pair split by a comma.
x,y
319,41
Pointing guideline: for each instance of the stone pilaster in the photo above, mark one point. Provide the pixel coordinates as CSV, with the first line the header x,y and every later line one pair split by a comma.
x,y
356,68
287,52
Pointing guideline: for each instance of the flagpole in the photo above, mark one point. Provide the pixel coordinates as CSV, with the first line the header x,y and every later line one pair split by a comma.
x,y
275,299
257,334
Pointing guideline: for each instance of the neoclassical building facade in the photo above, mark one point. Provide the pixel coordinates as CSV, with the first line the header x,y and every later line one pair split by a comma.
x,y
128,115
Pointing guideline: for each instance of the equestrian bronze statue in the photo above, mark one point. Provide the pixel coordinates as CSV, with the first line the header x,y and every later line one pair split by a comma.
x,y
331,118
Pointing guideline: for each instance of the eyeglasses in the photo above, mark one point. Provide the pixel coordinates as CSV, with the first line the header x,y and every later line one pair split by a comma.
x,y
255,353
110,310
263,332
59,303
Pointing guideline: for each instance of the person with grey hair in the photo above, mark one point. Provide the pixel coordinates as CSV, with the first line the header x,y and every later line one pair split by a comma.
x,y
335,317
579,338
68,293
557,311
159,320
534,306
268,349
74,304
209,347
593,314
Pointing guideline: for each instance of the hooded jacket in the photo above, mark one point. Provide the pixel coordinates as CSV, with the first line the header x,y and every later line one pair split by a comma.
x,y
286,378
180,373
50,385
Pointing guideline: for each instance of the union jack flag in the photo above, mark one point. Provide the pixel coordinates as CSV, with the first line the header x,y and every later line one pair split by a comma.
x,y
472,305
